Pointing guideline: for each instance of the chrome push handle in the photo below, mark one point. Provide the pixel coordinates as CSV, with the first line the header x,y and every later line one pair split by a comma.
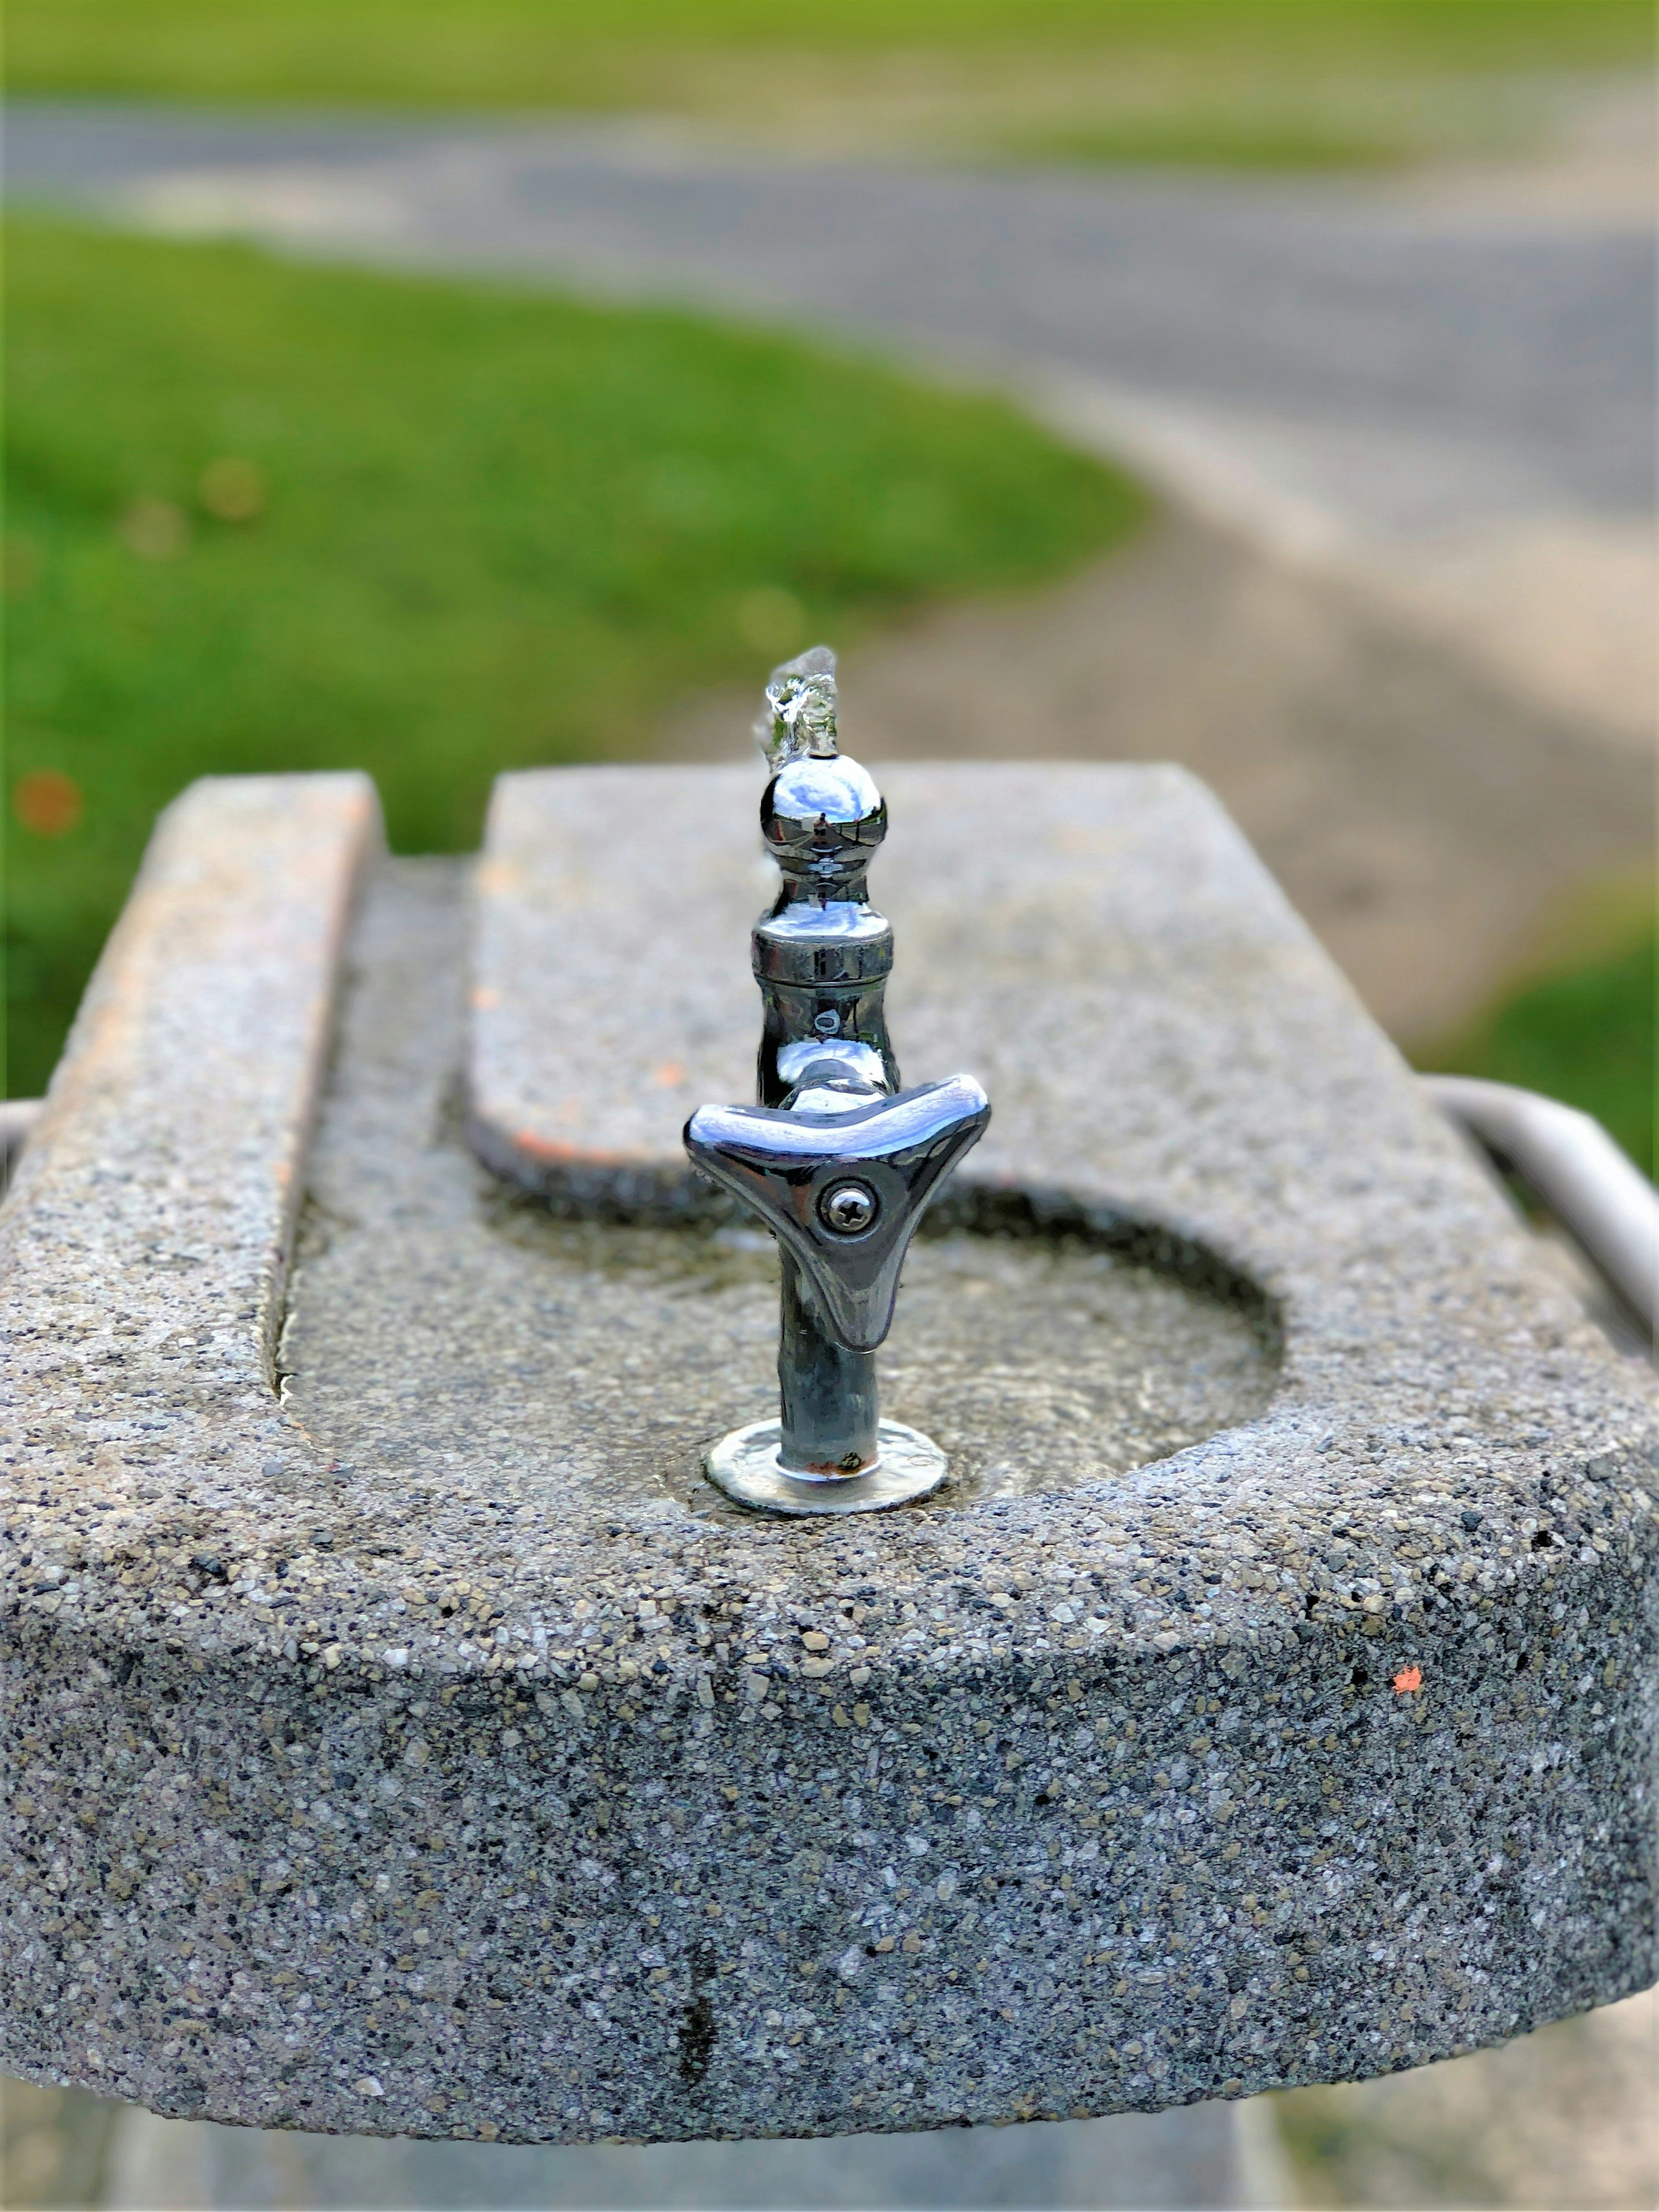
x,y
843,1193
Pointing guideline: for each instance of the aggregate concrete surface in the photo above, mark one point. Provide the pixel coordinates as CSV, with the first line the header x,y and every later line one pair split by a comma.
x,y
1131,2162
344,1801
609,1351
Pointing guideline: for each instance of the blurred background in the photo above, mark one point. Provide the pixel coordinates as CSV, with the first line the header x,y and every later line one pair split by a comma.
x,y
458,385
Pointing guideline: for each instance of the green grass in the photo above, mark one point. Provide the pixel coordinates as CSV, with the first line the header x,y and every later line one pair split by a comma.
x,y
522,53
1209,81
1586,1035
494,529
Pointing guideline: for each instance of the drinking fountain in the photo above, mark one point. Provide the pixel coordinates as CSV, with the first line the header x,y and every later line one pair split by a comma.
x,y
836,1160
446,1694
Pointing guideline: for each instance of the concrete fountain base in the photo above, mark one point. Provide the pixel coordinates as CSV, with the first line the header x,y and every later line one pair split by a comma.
x,y
403,1740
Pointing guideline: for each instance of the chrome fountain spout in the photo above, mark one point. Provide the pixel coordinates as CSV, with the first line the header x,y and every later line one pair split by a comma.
x,y
836,1160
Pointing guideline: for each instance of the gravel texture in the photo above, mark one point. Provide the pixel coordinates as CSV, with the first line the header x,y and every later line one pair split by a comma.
x,y
497,1792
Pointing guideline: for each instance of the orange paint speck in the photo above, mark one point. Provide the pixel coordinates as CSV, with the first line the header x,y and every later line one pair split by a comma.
x,y
670,1073
1408,1678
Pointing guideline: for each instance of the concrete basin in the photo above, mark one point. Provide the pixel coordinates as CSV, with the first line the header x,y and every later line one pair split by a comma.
x,y
405,1738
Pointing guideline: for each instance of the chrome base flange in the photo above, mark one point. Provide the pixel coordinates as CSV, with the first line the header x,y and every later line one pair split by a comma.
x,y
746,1465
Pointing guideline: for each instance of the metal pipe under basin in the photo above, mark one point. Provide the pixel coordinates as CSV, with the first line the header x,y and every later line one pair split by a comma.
x,y
1576,1171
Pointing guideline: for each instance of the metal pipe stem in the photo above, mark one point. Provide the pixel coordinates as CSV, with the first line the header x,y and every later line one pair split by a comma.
x,y
828,1393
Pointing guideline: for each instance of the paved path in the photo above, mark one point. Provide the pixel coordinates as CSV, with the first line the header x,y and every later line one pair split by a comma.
x,y
1431,411
1445,399
1434,829
1395,366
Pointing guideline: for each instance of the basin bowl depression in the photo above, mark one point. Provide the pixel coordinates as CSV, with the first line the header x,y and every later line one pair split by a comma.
x,y
403,1737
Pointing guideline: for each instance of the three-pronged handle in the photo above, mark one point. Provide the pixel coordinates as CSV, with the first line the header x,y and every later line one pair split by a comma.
x,y
843,1192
